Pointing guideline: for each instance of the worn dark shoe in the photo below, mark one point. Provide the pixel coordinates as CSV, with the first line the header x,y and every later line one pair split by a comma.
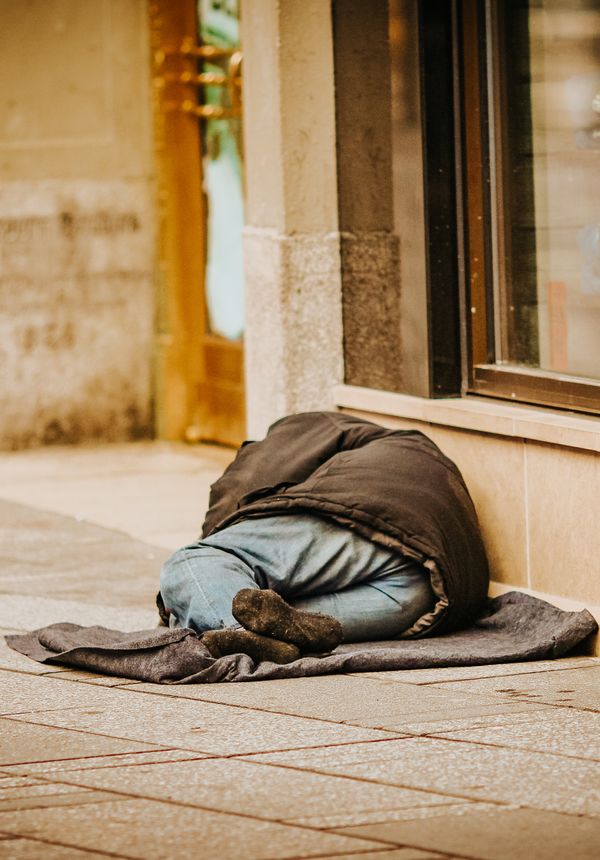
x,y
228,641
163,612
265,612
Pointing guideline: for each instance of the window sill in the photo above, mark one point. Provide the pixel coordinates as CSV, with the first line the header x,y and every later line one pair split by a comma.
x,y
481,415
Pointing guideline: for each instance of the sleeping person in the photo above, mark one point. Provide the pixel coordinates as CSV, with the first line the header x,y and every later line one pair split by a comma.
x,y
332,529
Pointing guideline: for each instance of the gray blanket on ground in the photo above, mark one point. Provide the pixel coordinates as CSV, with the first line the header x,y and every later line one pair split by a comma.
x,y
513,627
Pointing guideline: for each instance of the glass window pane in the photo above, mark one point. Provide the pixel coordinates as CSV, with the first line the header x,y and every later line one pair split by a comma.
x,y
222,170
547,138
407,191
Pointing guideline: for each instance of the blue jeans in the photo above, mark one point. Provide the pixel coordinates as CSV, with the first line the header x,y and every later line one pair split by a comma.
x,y
312,562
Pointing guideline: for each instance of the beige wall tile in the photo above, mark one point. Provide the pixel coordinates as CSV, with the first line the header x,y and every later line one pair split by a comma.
x,y
493,471
563,486
541,534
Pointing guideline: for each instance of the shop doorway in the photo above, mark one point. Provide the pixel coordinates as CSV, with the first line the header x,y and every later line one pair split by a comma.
x,y
198,131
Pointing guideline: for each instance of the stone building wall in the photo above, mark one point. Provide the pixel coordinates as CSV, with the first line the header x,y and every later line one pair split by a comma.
x,y
76,222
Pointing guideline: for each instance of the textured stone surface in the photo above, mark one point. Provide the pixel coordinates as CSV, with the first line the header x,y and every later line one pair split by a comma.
x,y
263,791
210,728
23,742
95,679
575,688
565,732
394,854
342,776
30,849
501,834
155,492
149,830
464,770
76,224
32,612
470,673
29,693
451,807
24,793
26,786
297,279
77,343
110,760
359,701
289,118
371,305
45,555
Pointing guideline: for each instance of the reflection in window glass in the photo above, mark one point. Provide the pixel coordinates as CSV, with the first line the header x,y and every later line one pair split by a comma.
x,y
222,169
408,202
548,110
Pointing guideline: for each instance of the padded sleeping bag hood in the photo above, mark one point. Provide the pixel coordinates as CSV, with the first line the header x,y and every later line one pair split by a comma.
x,y
394,487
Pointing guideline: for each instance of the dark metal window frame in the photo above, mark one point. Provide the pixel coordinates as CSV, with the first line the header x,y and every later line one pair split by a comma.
x,y
463,309
436,58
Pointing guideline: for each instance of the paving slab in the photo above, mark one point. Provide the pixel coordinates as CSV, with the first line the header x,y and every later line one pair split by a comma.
x,y
53,799
152,830
24,693
24,612
46,554
433,724
452,807
154,491
93,678
471,771
501,834
23,743
467,673
355,701
576,688
79,463
563,731
65,765
15,848
29,786
262,791
394,854
210,728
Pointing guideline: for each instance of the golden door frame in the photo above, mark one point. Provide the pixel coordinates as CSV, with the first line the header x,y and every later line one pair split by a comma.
x,y
199,375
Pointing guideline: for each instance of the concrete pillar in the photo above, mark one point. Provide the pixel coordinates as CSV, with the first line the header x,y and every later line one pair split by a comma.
x,y
370,246
294,340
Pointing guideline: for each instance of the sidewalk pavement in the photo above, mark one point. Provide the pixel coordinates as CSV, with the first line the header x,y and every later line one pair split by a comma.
x,y
495,762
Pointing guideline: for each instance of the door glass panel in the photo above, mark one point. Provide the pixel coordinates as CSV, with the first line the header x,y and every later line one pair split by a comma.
x,y
546,99
219,26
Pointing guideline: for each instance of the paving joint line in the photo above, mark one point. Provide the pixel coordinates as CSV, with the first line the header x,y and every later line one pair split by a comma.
x,y
125,686
129,795
71,845
512,674
298,716
392,737
79,758
439,791
435,737
433,851
12,714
